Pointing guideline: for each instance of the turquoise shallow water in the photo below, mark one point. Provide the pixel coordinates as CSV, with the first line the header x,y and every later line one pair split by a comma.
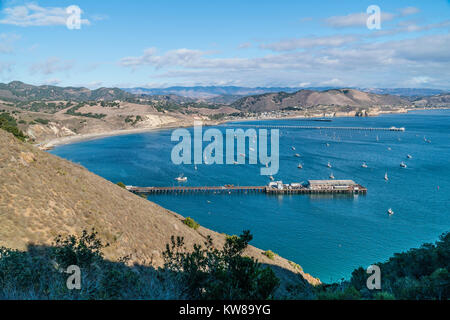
x,y
328,236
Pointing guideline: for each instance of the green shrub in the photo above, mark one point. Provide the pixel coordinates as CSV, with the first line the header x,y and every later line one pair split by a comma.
x,y
42,121
269,254
209,273
9,124
384,296
191,223
122,185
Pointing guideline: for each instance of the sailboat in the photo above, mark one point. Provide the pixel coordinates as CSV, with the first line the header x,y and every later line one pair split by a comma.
x,y
386,177
271,178
332,176
181,178
297,155
403,165
390,212
300,166
409,156
364,165
293,149
329,165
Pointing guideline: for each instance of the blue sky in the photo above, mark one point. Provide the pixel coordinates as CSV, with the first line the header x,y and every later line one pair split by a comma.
x,y
159,43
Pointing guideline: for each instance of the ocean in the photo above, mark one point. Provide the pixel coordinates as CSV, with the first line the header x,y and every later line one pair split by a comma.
x,y
329,236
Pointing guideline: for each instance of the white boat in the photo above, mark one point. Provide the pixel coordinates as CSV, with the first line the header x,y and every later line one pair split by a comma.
x,y
403,165
364,165
181,179
329,165
332,176
386,177
328,145
390,149
300,166
272,178
409,156
390,212
297,155
195,168
293,148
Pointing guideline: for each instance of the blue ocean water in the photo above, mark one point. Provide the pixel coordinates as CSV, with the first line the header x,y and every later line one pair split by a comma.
x,y
328,236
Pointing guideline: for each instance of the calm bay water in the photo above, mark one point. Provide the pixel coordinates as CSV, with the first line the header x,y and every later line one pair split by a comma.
x,y
328,236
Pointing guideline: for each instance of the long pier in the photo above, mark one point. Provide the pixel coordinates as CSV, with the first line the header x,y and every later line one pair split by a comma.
x,y
316,127
286,189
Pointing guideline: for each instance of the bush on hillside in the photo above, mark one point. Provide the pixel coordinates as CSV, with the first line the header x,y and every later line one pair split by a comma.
x,y
209,273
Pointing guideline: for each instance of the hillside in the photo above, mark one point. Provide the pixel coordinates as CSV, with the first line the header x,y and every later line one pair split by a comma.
x,y
19,91
308,99
42,196
441,100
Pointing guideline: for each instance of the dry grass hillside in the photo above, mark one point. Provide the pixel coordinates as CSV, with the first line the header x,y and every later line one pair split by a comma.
x,y
308,98
42,196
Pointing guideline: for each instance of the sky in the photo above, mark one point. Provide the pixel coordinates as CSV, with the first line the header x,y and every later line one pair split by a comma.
x,y
161,43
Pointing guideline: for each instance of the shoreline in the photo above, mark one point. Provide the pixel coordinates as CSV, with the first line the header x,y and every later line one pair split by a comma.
x,y
56,142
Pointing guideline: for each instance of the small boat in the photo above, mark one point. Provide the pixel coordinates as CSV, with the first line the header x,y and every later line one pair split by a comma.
x,y
181,179
332,176
297,155
328,145
364,165
271,178
390,149
300,166
195,168
293,149
409,156
403,165
329,165
386,177
390,212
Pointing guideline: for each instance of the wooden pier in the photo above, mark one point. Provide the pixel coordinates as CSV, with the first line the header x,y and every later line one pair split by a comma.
x,y
315,127
271,190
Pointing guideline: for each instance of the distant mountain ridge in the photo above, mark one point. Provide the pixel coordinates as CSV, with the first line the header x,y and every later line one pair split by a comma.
x,y
210,92
19,91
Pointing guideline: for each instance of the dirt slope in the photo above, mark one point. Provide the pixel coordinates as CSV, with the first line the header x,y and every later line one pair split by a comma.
x,y
42,196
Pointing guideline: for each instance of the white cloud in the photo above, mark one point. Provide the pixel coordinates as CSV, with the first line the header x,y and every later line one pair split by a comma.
x,y
421,80
52,82
245,45
51,65
409,11
31,14
303,43
7,42
364,63
355,20
332,82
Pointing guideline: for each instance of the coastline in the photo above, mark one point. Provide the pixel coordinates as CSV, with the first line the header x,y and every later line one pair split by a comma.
x,y
53,143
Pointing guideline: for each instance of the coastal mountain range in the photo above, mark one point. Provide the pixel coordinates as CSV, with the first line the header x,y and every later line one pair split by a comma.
x,y
210,92
266,98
